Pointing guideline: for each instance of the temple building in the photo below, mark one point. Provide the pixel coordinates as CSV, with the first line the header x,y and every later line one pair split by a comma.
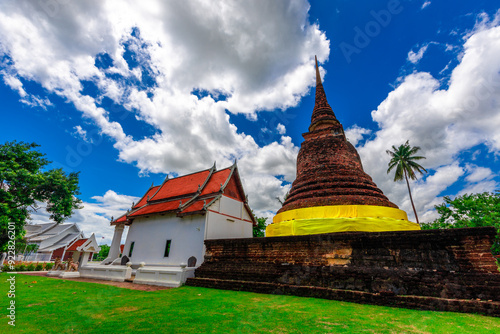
x,y
332,193
168,227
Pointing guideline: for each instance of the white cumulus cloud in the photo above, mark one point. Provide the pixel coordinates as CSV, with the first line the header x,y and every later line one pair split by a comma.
x,y
281,129
415,57
95,216
178,67
444,122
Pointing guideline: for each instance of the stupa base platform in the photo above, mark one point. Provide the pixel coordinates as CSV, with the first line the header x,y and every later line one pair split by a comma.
x,y
443,270
489,308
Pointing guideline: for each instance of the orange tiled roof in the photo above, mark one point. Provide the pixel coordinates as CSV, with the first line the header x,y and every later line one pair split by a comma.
x,y
76,244
182,185
151,191
188,194
157,208
214,184
197,206
122,219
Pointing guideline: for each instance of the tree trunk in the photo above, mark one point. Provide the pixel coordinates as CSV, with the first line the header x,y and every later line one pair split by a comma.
x,y
411,199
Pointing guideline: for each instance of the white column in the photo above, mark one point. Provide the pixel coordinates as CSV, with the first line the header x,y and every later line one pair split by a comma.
x,y
114,250
2,258
85,259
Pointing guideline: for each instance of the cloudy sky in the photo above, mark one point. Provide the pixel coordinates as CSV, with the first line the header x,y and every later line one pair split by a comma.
x,y
127,92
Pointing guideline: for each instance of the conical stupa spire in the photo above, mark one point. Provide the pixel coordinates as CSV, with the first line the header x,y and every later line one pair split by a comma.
x,y
332,192
329,170
322,111
318,76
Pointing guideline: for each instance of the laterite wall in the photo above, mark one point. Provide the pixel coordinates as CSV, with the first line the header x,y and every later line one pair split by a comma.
x,y
430,269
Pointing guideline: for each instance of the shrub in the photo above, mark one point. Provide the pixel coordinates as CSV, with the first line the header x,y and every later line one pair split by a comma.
x,y
20,267
30,267
39,267
48,266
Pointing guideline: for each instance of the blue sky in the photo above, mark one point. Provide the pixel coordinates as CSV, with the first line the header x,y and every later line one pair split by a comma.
x,y
127,93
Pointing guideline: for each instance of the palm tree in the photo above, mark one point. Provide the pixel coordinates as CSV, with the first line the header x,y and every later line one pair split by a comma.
x,y
284,198
403,159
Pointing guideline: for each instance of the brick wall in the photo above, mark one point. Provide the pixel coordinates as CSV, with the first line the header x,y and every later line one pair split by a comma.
x,y
433,267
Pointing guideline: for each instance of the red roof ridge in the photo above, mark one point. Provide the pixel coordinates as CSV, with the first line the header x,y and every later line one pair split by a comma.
x,y
240,184
77,243
147,200
161,192
233,167
200,188
234,171
71,243
185,175
194,199
150,187
182,212
212,170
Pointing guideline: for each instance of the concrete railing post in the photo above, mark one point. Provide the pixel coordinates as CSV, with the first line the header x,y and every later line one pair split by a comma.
x,y
114,250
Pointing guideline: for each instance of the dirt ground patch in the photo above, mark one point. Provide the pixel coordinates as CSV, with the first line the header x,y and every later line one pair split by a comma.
x,y
125,285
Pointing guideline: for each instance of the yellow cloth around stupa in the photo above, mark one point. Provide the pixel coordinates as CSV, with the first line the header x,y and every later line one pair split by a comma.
x,y
339,218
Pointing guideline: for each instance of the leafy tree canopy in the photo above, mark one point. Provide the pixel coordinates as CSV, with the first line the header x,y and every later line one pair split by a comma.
x,y
474,210
23,182
259,230
103,253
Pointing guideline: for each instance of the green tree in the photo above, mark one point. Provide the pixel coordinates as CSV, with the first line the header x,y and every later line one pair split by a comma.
x,y
103,253
403,159
474,210
24,182
259,230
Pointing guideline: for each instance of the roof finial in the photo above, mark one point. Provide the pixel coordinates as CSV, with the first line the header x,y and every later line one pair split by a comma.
x,y
318,76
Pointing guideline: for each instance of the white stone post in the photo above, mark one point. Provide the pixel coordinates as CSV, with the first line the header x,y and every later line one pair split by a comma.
x,y
85,259
2,258
114,250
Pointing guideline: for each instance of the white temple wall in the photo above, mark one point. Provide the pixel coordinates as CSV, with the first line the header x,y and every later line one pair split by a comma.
x,y
225,220
150,237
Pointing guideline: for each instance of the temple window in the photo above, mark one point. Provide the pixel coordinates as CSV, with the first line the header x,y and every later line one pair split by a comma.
x,y
167,248
131,249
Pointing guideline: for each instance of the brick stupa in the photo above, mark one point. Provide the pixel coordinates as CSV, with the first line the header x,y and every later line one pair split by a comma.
x,y
332,193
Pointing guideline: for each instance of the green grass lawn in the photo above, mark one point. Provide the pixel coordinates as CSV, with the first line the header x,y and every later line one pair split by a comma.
x,y
63,306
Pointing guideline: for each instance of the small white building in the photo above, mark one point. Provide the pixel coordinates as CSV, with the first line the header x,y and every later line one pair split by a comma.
x,y
80,252
168,226
52,239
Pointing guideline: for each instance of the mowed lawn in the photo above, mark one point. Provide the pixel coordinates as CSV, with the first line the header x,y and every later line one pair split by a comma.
x,y
64,306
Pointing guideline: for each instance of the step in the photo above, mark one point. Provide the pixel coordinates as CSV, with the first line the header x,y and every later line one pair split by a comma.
x,y
486,307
